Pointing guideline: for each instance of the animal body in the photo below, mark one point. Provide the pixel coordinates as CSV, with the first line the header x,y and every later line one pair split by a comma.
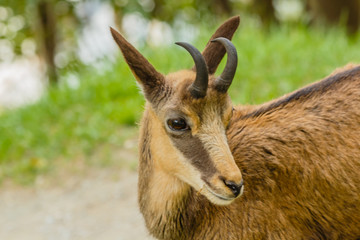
x,y
295,161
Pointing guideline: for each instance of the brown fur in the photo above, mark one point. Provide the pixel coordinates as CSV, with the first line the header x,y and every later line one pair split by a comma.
x,y
299,157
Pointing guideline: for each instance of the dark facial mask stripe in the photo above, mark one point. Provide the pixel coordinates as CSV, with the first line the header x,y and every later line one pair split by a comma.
x,y
193,150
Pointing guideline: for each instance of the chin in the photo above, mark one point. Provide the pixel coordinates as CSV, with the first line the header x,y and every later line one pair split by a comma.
x,y
217,199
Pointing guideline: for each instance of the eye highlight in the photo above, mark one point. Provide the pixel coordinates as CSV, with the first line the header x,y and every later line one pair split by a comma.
x,y
177,124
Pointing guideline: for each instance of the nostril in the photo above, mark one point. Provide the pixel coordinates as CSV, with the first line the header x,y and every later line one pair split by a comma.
x,y
235,188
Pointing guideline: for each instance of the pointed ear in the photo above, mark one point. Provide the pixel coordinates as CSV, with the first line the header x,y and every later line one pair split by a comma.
x,y
214,51
150,80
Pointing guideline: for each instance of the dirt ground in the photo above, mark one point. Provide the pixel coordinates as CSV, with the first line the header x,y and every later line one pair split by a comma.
x,y
100,204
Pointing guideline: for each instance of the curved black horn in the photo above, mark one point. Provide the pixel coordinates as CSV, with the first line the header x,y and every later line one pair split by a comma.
x,y
223,82
199,87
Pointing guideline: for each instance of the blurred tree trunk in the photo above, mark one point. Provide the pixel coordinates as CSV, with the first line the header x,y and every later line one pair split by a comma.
x,y
266,11
332,11
118,16
158,9
212,8
47,22
223,6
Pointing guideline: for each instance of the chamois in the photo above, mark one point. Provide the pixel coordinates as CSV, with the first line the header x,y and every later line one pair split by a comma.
x,y
295,161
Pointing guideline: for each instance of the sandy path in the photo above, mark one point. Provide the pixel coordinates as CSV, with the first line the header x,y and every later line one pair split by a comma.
x,y
99,205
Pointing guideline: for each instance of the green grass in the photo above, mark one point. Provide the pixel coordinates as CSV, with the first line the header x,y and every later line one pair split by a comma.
x,y
90,122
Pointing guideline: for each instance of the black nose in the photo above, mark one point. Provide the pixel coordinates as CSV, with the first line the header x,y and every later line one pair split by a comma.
x,y
235,188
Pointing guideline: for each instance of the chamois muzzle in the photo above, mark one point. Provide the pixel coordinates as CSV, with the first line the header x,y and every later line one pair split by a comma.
x,y
199,87
223,82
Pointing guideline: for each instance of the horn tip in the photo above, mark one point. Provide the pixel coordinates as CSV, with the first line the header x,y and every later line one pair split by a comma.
x,y
182,44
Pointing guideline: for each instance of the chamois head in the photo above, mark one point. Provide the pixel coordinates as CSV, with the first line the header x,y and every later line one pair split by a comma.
x,y
189,111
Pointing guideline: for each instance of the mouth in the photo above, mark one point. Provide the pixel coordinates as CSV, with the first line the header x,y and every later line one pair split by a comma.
x,y
218,195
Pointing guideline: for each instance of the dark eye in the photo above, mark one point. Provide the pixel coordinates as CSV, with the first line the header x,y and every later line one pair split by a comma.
x,y
177,124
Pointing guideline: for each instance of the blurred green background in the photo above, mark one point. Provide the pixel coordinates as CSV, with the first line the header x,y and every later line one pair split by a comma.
x,y
67,97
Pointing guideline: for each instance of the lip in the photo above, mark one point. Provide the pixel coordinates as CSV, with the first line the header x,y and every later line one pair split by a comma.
x,y
218,195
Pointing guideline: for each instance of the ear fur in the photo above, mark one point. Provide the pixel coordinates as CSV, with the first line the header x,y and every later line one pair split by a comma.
x,y
150,79
214,51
